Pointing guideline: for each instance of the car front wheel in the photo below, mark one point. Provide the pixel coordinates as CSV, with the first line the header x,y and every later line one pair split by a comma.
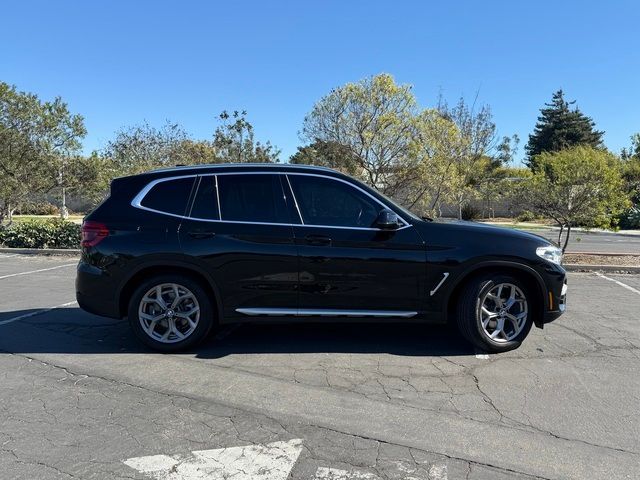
x,y
494,312
170,313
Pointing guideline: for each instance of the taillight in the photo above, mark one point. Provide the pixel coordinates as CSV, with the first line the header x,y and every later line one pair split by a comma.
x,y
93,233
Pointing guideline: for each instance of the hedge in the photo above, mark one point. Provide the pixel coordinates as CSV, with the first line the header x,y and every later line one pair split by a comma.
x,y
50,233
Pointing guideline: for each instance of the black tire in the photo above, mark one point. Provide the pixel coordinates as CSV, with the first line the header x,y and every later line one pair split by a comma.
x,y
468,317
204,324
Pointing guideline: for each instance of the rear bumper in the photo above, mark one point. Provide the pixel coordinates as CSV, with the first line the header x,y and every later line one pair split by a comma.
x,y
93,291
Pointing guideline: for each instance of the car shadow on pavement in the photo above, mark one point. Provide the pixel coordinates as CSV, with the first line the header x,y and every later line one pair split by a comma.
x,y
396,339
70,330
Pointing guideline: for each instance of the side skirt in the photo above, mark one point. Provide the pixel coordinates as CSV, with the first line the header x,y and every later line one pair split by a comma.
x,y
310,312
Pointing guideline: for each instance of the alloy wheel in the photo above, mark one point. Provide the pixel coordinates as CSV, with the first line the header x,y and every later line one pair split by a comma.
x,y
503,312
169,313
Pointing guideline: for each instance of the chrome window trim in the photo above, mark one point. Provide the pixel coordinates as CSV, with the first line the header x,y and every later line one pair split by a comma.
x,y
137,201
217,197
295,200
325,312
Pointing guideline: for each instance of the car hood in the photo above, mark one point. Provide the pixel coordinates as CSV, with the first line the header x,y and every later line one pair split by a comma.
x,y
462,227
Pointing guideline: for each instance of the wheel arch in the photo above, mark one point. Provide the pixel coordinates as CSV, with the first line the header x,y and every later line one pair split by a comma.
x,y
149,269
525,273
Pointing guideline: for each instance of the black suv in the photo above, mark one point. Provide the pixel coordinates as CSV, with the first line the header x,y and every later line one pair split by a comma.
x,y
181,250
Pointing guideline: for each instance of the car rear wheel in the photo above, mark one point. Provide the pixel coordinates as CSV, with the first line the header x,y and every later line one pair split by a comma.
x,y
494,312
170,313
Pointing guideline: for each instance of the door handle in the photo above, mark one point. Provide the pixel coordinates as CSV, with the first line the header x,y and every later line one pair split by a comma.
x,y
318,240
201,234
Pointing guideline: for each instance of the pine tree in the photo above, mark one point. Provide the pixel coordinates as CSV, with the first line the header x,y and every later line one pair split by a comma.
x,y
559,126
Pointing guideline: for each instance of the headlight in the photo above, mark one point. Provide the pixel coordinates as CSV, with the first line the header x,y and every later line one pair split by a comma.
x,y
551,253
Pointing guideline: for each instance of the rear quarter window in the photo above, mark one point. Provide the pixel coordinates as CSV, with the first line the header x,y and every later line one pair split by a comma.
x,y
169,196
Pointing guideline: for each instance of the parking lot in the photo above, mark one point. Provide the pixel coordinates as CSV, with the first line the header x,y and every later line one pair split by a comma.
x,y
80,398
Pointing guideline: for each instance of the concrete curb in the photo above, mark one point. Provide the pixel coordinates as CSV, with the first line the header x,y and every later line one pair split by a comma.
x,y
604,254
43,251
536,226
602,268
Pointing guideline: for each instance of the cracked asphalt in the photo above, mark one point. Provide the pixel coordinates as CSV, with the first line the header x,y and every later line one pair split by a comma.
x,y
78,395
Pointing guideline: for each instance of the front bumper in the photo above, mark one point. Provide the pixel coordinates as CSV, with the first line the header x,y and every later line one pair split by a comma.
x,y
556,304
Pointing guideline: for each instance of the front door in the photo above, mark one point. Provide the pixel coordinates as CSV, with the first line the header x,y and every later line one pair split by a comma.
x,y
347,265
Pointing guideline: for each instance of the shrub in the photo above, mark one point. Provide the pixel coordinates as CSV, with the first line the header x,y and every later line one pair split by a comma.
x,y
526,216
630,219
39,208
469,212
54,233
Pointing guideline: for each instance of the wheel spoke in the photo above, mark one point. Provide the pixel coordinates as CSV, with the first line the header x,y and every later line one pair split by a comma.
x,y
159,298
514,321
174,329
489,313
166,334
178,300
151,318
188,313
152,326
512,298
176,295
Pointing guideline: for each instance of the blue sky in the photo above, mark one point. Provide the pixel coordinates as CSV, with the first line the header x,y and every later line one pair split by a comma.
x,y
121,63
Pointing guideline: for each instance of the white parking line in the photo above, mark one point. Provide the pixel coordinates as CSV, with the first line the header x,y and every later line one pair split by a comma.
x,y
623,285
8,255
482,356
37,312
438,472
38,271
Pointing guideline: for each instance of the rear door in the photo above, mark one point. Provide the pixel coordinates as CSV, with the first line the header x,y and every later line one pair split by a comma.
x,y
347,265
239,228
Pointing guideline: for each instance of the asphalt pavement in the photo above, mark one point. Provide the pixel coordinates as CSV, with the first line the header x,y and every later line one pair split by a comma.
x,y
80,398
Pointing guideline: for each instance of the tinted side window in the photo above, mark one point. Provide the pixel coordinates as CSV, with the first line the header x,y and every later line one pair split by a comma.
x,y
324,201
205,203
252,198
170,196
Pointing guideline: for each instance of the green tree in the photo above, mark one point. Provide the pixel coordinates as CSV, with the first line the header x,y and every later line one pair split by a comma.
x,y
196,152
374,120
631,175
480,152
143,147
327,154
631,168
235,143
634,150
38,145
559,126
577,186
374,130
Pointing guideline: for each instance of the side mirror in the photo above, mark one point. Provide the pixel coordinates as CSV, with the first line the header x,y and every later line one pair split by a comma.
x,y
387,220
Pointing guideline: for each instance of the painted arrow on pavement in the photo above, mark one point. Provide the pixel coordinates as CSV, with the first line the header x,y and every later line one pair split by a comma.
x,y
273,461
